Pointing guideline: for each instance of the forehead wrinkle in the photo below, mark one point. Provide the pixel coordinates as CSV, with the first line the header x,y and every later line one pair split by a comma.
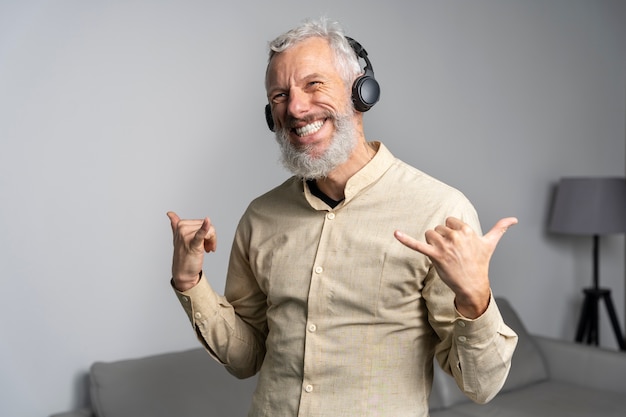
x,y
306,60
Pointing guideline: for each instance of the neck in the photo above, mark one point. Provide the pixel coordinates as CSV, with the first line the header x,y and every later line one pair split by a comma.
x,y
335,183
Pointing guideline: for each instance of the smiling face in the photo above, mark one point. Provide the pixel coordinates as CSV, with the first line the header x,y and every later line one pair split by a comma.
x,y
312,108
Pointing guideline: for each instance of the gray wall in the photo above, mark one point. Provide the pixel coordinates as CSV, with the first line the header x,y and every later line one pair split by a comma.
x,y
112,113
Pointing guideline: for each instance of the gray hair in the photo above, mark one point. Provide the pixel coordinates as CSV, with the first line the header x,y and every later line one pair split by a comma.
x,y
346,60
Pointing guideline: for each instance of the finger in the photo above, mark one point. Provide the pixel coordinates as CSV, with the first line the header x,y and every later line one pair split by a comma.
x,y
414,244
499,229
202,233
174,219
205,236
210,240
442,230
454,223
458,225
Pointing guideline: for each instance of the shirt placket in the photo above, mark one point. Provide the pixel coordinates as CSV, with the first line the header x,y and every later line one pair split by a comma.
x,y
314,363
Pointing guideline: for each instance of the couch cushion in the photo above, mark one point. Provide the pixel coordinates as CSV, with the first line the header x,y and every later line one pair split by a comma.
x,y
446,412
181,384
527,365
548,399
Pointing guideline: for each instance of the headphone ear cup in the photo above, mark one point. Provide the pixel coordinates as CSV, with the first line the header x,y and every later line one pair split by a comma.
x,y
365,92
269,118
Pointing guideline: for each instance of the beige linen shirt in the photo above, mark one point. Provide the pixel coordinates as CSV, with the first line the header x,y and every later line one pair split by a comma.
x,y
340,318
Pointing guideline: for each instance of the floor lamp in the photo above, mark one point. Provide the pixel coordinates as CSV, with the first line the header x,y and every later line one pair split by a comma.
x,y
592,207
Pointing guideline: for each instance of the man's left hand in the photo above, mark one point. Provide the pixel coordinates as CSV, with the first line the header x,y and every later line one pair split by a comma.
x,y
462,258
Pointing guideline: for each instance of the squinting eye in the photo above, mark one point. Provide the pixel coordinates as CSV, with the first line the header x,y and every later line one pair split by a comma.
x,y
279,98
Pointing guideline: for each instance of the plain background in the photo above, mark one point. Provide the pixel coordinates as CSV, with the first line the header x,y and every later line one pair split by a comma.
x,y
113,113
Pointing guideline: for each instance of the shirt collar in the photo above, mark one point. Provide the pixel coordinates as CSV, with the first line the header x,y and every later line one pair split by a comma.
x,y
366,176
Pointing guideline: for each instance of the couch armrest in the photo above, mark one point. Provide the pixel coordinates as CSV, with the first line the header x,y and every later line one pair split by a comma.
x,y
584,365
83,412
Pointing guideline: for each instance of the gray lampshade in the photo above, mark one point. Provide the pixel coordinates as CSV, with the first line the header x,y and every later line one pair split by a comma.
x,y
589,206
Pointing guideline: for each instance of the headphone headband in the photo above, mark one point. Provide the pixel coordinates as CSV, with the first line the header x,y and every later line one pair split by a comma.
x,y
361,53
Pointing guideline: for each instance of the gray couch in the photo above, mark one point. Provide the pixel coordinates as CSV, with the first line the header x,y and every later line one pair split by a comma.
x,y
548,378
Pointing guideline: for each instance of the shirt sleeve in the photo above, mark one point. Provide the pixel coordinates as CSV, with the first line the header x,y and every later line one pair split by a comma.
x,y
225,335
476,352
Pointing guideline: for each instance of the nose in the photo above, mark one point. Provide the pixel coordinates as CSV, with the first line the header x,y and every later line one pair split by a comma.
x,y
299,103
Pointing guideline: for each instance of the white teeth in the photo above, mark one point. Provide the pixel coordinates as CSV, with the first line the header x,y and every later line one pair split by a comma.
x,y
309,129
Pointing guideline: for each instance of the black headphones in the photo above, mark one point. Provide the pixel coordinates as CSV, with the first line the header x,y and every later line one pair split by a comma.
x,y
365,89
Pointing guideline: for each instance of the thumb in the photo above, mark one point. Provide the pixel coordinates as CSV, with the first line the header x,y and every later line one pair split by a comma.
x,y
498,230
174,219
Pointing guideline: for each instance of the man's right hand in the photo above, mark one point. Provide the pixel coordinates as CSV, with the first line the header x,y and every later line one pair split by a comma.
x,y
191,239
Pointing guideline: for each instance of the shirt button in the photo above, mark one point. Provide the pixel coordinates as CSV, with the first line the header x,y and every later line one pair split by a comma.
x,y
308,388
330,216
461,323
185,299
462,339
319,269
312,328
198,315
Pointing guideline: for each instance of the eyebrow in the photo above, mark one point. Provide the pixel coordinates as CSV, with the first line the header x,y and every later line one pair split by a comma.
x,y
314,75
305,79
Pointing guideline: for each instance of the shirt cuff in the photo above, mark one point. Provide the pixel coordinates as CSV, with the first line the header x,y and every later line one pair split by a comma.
x,y
199,302
480,329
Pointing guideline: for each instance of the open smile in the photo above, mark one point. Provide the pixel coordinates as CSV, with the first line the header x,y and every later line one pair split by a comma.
x,y
309,129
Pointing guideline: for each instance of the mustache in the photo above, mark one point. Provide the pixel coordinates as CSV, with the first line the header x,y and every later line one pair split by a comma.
x,y
292,122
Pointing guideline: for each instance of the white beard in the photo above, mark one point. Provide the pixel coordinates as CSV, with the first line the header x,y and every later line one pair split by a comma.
x,y
303,165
